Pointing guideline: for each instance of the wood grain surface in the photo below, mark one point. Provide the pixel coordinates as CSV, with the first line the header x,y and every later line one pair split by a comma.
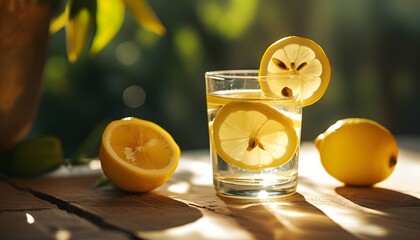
x,y
66,205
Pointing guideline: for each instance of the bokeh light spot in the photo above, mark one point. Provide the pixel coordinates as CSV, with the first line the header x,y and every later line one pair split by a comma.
x,y
134,96
127,52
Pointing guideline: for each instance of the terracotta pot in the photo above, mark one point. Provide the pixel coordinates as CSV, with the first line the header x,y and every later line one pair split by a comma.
x,y
23,47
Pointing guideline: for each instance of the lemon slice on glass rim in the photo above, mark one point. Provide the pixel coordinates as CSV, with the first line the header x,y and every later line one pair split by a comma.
x,y
253,136
295,66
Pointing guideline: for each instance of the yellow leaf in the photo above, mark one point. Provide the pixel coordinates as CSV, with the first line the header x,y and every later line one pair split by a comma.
x,y
109,18
60,21
145,16
77,33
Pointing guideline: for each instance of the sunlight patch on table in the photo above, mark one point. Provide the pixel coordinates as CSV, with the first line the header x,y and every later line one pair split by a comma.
x,y
216,227
30,219
351,216
199,166
179,187
62,234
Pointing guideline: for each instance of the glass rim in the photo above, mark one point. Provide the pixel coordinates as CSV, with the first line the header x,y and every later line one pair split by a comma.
x,y
233,74
248,74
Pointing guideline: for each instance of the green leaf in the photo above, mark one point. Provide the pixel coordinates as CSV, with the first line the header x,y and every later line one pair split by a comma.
x,y
90,144
79,27
104,183
145,16
60,21
109,18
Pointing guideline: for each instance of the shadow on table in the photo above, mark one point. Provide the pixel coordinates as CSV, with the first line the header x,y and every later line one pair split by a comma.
x,y
287,218
397,213
142,211
109,207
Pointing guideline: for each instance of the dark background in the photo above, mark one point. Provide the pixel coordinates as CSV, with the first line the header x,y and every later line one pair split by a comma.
x,y
373,47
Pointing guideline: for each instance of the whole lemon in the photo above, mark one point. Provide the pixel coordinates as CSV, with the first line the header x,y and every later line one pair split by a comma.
x,y
358,151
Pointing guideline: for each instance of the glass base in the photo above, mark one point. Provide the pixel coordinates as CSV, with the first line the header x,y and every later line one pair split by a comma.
x,y
251,189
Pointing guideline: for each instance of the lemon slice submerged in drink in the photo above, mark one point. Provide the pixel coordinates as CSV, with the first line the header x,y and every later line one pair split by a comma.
x,y
253,136
295,67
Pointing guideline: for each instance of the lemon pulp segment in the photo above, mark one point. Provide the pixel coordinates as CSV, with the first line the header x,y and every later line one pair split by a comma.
x,y
141,146
137,155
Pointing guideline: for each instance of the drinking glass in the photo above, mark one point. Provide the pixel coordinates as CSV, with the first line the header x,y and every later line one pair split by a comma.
x,y
225,87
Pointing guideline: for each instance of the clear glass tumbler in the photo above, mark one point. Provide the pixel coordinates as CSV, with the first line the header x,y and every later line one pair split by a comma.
x,y
237,106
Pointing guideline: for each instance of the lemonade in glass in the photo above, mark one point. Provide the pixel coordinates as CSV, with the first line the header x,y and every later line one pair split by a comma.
x,y
254,139
255,119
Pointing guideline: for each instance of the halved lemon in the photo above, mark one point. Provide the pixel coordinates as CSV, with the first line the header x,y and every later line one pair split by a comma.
x,y
295,66
253,136
137,155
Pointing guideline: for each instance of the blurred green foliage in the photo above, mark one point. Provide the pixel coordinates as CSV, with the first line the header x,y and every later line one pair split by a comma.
x,y
372,47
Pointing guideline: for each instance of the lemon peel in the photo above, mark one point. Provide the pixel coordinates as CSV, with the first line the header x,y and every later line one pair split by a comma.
x,y
138,155
295,66
358,151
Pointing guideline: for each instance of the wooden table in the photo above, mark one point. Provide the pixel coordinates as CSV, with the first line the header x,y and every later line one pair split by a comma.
x,y
65,205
